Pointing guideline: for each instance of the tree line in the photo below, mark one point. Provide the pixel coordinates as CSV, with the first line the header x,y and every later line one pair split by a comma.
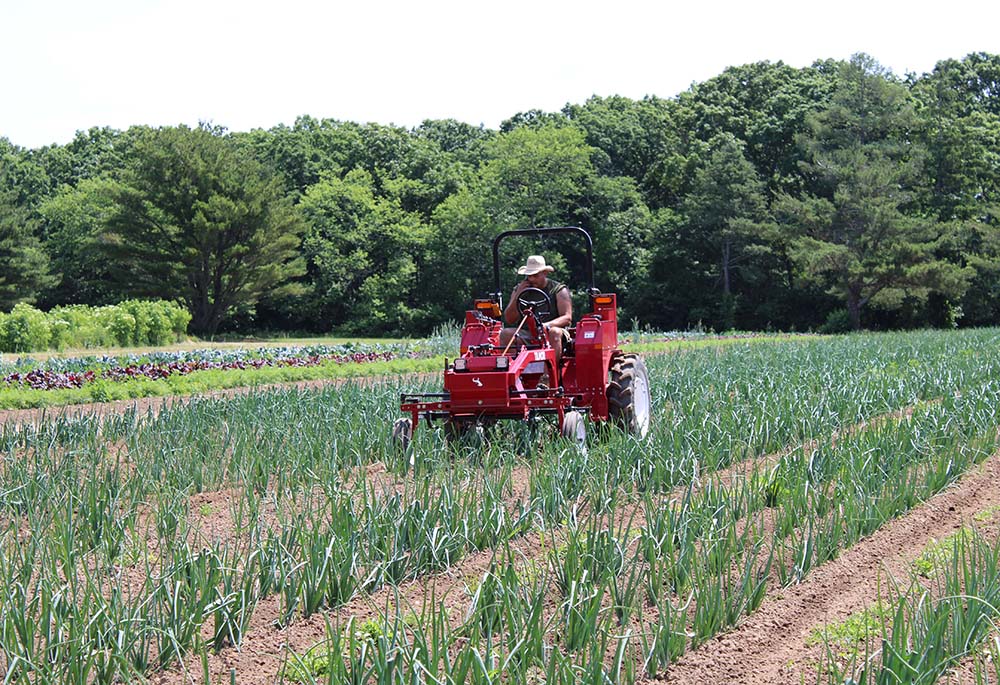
x,y
834,196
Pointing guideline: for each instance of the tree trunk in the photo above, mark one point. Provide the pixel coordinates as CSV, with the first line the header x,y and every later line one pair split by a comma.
x,y
854,308
727,308
206,317
727,250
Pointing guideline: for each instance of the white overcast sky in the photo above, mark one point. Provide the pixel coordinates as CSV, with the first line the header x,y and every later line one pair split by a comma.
x,y
68,65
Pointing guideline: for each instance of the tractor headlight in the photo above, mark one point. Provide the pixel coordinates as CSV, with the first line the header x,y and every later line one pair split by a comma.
x,y
503,363
460,364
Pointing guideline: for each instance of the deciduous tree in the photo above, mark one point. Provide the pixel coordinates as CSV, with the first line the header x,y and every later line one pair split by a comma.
x,y
724,210
364,253
75,219
537,175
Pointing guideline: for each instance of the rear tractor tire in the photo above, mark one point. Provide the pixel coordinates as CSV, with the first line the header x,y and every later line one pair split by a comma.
x,y
628,395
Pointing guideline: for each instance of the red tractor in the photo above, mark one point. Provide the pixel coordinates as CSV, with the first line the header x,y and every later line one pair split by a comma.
x,y
522,381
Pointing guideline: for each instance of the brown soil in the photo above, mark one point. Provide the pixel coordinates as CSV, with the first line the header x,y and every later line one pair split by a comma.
x,y
266,645
964,673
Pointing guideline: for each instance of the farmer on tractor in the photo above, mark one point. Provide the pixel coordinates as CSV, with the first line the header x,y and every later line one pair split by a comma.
x,y
583,376
556,313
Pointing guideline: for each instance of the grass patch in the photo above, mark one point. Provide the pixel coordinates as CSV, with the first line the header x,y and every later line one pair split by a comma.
x,y
677,345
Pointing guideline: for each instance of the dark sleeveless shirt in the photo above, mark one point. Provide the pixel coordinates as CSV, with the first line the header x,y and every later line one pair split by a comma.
x,y
552,288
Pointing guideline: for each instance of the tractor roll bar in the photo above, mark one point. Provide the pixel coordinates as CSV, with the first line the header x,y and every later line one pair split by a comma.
x,y
540,231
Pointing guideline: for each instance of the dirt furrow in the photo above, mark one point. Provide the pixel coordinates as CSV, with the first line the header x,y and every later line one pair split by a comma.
x,y
770,646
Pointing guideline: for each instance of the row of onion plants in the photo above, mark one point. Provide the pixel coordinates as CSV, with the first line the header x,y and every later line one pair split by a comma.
x,y
618,597
98,521
939,620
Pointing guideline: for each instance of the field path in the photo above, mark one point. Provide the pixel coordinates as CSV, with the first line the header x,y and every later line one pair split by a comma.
x,y
769,646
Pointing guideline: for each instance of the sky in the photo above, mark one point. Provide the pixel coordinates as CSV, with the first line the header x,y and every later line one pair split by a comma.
x,y
69,65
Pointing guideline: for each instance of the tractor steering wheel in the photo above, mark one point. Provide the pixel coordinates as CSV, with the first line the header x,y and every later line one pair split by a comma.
x,y
537,299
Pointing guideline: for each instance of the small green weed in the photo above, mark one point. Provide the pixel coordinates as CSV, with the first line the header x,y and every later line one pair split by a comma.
x,y
987,514
308,667
937,553
845,635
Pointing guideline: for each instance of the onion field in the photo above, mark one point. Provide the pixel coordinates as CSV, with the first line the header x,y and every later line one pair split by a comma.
x,y
280,537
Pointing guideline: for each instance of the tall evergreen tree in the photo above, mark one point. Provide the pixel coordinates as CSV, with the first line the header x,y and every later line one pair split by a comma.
x,y
197,219
724,209
24,266
853,232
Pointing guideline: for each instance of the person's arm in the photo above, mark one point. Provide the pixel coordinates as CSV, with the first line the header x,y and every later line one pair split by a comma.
x,y
564,305
510,313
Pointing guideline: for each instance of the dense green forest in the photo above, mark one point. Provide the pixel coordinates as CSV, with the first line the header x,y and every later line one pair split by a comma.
x,y
769,197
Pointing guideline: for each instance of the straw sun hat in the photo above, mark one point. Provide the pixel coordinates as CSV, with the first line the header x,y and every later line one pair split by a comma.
x,y
535,264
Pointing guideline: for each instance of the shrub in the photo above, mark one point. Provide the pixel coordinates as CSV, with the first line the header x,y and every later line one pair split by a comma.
x,y
156,323
59,332
85,327
133,322
837,321
162,322
25,329
119,323
179,319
